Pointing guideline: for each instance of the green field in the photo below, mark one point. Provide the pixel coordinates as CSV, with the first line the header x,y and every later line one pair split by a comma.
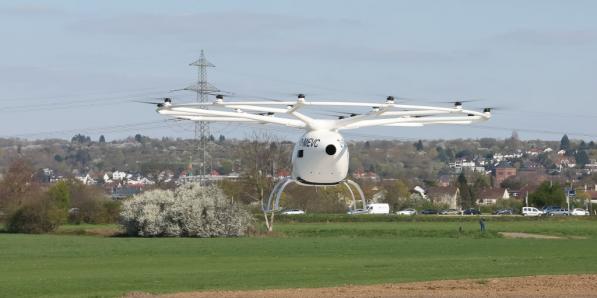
x,y
299,255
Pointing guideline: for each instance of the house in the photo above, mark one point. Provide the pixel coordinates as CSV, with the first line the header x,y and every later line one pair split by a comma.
x,y
532,176
490,196
282,173
360,174
503,172
444,195
565,161
139,180
87,179
534,151
117,175
107,178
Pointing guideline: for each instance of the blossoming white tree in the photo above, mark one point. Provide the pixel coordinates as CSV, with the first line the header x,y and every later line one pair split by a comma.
x,y
189,211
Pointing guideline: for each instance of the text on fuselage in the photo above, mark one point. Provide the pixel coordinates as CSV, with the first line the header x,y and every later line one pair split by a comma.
x,y
310,142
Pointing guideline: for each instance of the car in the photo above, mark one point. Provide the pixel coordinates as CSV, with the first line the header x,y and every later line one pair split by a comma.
x,y
504,212
471,211
408,211
429,212
358,211
531,211
450,212
579,212
559,212
293,212
378,208
548,209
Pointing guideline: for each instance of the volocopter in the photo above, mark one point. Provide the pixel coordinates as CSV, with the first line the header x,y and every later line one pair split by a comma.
x,y
320,156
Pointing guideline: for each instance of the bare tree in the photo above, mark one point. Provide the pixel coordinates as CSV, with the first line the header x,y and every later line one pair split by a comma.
x,y
262,156
17,183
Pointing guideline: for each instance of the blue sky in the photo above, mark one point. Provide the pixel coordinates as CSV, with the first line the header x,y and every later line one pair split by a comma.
x,y
70,66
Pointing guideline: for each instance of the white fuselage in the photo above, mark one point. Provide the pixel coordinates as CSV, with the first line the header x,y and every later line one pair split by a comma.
x,y
320,157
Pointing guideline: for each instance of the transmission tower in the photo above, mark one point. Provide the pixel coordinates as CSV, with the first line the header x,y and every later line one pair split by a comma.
x,y
202,88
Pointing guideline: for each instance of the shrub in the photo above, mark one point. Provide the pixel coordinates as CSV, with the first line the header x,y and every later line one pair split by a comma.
x,y
90,205
191,211
35,217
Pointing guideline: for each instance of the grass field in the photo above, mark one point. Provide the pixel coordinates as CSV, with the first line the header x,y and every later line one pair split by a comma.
x,y
300,255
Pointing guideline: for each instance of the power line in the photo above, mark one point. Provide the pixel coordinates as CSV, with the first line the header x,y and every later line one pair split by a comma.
x,y
543,131
75,103
99,129
92,95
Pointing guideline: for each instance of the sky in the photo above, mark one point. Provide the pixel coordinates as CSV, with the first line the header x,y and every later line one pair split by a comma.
x,y
70,67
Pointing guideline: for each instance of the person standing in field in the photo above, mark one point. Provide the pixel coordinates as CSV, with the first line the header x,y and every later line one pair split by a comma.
x,y
482,224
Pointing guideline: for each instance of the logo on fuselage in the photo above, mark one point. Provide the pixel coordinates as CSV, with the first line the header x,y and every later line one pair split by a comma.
x,y
310,142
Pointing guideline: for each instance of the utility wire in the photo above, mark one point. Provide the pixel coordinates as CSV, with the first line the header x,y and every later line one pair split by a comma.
x,y
101,129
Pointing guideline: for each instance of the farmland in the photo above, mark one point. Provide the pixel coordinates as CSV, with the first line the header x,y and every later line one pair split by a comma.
x,y
313,254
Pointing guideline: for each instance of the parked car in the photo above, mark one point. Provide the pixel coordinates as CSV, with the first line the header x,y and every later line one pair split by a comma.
x,y
357,211
559,212
429,211
531,211
408,211
471,211
579,212
548,209
504,212
293,212
450,212
378,208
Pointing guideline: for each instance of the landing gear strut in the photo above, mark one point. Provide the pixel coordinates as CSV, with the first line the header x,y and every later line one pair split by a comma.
x,y
273,202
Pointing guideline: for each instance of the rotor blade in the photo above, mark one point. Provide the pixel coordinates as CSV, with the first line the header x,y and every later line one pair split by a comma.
x,y
246,96
461,101
147,102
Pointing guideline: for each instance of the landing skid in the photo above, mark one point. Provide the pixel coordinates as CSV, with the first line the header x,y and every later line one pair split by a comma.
x,y
273,202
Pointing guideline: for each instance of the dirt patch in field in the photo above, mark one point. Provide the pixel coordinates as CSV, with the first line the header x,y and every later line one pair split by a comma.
x,y
527,235
519,235
528,286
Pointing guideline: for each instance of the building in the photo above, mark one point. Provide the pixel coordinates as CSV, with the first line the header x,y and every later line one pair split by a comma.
x,y
444,195
504,172
490,196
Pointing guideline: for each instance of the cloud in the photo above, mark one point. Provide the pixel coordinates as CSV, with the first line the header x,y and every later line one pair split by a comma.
x,y
363,53
32,10
550,38
222,26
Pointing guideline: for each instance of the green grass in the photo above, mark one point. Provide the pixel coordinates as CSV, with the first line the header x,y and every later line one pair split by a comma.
x,y
302,255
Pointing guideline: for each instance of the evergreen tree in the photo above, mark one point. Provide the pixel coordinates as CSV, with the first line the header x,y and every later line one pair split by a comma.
x,y
81,139
102,139
466,196
582,158
565,143
583,145
419,145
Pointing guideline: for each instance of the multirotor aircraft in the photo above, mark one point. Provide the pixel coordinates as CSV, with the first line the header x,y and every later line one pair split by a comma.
x,y
320,156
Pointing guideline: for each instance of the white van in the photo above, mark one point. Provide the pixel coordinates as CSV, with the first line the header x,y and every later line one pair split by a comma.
x,y
531,211
378,208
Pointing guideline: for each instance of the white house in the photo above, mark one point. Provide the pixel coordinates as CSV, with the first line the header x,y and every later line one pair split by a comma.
x,y
117,175
87,179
